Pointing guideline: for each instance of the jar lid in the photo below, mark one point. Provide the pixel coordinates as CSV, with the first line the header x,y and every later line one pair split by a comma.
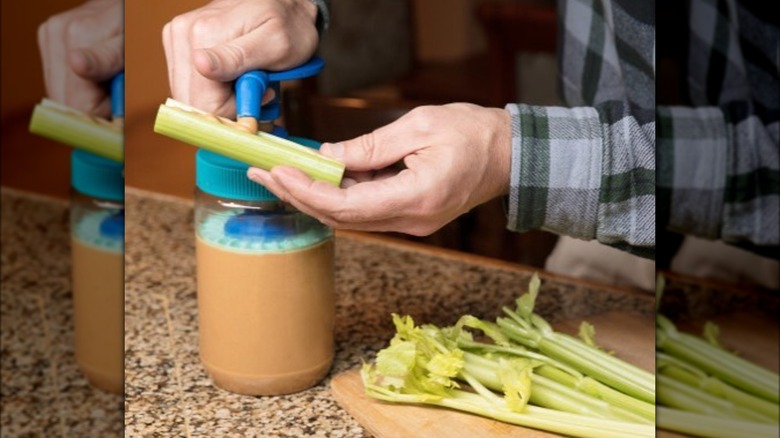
x,y
96,176
225,177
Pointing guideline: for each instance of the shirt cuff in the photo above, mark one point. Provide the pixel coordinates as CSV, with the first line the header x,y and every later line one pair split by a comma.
x,y
323,16
556,164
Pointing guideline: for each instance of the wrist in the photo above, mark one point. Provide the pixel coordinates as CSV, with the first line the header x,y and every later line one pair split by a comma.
x,y
500,149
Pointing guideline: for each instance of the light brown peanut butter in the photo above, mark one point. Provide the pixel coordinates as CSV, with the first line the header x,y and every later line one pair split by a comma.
x,y
98,311
266,319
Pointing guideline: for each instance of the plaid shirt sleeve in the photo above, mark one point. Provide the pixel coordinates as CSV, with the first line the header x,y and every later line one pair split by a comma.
x,y
719,160
588,171
323,15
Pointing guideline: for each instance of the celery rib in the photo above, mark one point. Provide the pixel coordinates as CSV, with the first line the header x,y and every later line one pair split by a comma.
x,y
70,127
261,150
712,427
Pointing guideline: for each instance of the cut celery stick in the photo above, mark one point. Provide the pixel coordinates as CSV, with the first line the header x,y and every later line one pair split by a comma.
x,y
262,150
73,128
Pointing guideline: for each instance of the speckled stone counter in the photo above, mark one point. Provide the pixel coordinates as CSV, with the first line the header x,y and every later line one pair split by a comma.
x,y
167,390
43,392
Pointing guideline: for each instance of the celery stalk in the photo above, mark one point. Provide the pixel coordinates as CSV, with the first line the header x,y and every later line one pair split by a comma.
x,y
588,360
601,391
718,362
73,128
676,394
687,374
261,150
713,427
533,416
552,369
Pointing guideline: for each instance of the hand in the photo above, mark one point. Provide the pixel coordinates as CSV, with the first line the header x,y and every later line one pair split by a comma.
x,y
80,49
453,157
211,46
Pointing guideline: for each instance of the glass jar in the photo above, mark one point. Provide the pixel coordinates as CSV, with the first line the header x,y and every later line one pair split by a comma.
x,y
97,227
265,285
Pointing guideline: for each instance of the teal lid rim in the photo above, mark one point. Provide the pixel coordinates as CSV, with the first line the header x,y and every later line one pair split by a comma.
x,y
96,176
225,177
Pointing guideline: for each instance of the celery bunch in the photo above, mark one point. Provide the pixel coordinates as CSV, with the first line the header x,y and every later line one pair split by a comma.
x,y
528,374
706,390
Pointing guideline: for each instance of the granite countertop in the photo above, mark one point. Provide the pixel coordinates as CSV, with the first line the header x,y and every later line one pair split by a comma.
x,y
169,394
43,391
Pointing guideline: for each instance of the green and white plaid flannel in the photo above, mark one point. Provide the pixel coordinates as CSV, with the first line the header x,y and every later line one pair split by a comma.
x,y
588,171
719,159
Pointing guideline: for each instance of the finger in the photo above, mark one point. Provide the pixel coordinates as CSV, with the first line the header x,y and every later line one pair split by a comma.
x,y
265,47
167,40
269,95
102,108
365,202
393,223
180,59
376,150
99,62
43,49
264,178
54,34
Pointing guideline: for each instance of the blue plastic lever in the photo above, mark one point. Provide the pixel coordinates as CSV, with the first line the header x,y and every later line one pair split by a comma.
x,y
117,91
251,86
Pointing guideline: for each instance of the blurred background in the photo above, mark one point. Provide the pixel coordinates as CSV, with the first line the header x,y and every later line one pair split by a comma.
x,y
383,58
28,162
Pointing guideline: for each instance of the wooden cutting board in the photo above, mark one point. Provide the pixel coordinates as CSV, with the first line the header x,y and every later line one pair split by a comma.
x,y
631,336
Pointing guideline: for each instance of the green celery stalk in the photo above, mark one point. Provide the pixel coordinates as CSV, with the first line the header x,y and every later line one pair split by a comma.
x,y
717,361
712,427
596,363
73,128
558,372
533,416
689,375
599,390
676,394
261,150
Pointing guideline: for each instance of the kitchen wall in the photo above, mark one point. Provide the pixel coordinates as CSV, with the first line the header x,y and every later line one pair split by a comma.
x,y
27,162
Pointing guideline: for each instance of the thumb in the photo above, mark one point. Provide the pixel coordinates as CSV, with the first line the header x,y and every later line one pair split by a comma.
x,y
227,61
99,62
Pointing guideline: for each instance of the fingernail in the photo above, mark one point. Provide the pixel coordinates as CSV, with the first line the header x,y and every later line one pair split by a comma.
x,y
255,175
334,150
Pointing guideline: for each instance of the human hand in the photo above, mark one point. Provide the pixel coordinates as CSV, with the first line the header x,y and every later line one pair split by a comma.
x,y
81,48
454,157
209,47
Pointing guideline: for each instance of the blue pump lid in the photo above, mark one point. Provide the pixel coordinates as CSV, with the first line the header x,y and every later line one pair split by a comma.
x,y
96,176
225,177
251,86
